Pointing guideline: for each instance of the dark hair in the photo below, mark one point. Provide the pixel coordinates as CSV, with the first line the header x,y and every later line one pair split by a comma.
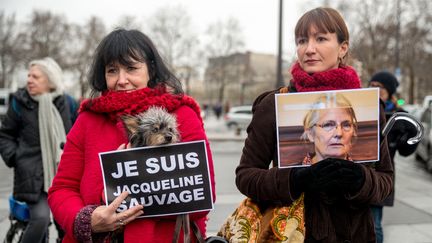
x,y
124,46
326,20
388,80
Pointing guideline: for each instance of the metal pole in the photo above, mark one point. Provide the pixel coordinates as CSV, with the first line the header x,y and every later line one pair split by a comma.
x,y
279,80
398,20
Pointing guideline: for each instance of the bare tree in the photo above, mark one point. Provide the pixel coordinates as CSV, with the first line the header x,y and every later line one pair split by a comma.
x,y
171,30
47,35
388,36
86,38
373,35
190,64
11,51
416,46
224,39
128,22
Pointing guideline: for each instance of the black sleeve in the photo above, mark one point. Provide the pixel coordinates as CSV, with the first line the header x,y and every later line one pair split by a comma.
x,y
9,132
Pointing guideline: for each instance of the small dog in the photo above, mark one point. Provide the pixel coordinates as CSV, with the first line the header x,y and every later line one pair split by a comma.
x,y
151,128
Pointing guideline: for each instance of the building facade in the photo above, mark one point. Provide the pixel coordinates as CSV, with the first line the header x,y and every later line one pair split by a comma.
x,y
239,78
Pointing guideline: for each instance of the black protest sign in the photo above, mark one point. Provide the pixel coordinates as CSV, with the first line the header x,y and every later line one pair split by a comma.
x,y
167,180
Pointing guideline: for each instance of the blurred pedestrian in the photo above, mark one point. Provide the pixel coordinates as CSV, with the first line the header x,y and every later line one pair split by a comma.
x,y
31,135
227,107
205,111
217,108
337,192
127,76
397,137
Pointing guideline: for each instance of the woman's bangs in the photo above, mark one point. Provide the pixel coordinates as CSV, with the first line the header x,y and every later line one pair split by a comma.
x,y
122,53
322,24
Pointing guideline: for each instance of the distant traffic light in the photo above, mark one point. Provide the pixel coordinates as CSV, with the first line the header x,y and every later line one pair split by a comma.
x,y
400,102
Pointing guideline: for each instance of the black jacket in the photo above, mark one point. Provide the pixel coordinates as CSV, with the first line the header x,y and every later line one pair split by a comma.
x,y
397,142
20,146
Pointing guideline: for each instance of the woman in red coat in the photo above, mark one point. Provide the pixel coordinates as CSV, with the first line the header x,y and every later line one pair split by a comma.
x,y
127,77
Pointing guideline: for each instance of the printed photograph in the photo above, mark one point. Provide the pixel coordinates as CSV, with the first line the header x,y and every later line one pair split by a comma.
x,y
313,126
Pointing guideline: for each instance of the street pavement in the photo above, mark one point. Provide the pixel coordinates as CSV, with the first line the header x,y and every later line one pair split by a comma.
x,y
409,221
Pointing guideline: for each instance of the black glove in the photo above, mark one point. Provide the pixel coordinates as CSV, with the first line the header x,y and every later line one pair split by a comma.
x,y
398,130
309,178
349,177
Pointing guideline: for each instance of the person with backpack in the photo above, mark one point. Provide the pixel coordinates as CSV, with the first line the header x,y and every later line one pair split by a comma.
x,y
397,137
31,136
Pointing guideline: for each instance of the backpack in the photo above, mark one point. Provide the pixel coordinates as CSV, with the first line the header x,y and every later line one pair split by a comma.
x,y
70,102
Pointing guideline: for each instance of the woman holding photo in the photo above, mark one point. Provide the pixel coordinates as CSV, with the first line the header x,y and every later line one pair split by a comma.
x,y
337,192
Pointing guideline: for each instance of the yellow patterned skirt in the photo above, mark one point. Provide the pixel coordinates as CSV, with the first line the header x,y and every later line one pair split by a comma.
x,y
278,224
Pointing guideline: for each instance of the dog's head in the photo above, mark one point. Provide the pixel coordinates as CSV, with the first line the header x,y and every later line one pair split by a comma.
x,y
153,127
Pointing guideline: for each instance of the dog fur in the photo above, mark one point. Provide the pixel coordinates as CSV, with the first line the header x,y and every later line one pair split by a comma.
x,y
151,128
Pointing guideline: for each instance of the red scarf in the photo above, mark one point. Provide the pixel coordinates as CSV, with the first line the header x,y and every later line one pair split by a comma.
x,y
340,78
118,103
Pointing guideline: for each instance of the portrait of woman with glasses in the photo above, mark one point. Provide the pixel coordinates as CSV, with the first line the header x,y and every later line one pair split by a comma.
x,y
331,125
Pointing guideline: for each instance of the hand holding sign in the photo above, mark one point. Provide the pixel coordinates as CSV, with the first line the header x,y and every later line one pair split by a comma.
x,y
124,146
105,218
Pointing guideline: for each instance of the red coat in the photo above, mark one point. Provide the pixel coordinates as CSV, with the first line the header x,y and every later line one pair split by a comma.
x,y
79,182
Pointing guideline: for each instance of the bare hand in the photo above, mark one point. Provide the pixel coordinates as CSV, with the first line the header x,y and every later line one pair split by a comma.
x,y
105,218
124,146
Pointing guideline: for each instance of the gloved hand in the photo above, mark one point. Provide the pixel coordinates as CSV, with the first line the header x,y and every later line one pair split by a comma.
x,y
348,177
309,178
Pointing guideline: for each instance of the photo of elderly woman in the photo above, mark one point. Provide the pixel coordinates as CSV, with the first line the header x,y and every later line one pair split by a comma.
x,y
334,124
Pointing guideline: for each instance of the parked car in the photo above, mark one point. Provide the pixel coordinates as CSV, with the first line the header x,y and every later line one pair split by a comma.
x,y
4,102
427,101
238,117
424,148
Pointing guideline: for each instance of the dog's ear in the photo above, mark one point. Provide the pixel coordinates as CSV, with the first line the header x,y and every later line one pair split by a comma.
x,y
130,123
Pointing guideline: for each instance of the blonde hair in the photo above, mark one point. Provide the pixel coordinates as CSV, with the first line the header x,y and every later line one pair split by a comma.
x,y
327,101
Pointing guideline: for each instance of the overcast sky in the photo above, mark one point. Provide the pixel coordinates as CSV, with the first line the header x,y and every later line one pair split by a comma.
x,y
258,18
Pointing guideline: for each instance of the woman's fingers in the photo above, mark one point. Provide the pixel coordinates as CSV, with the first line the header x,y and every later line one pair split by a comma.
x,y
122,146
116,203
135,215
130,214
106,218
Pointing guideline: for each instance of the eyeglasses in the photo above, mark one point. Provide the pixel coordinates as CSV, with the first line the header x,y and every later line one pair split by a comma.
x,y
330,126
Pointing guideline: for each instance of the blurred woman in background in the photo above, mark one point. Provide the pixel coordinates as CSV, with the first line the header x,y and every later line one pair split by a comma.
x,y
31,136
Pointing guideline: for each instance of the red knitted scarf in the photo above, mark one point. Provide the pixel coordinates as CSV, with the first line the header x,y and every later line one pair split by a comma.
x,y
118,103
340,78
